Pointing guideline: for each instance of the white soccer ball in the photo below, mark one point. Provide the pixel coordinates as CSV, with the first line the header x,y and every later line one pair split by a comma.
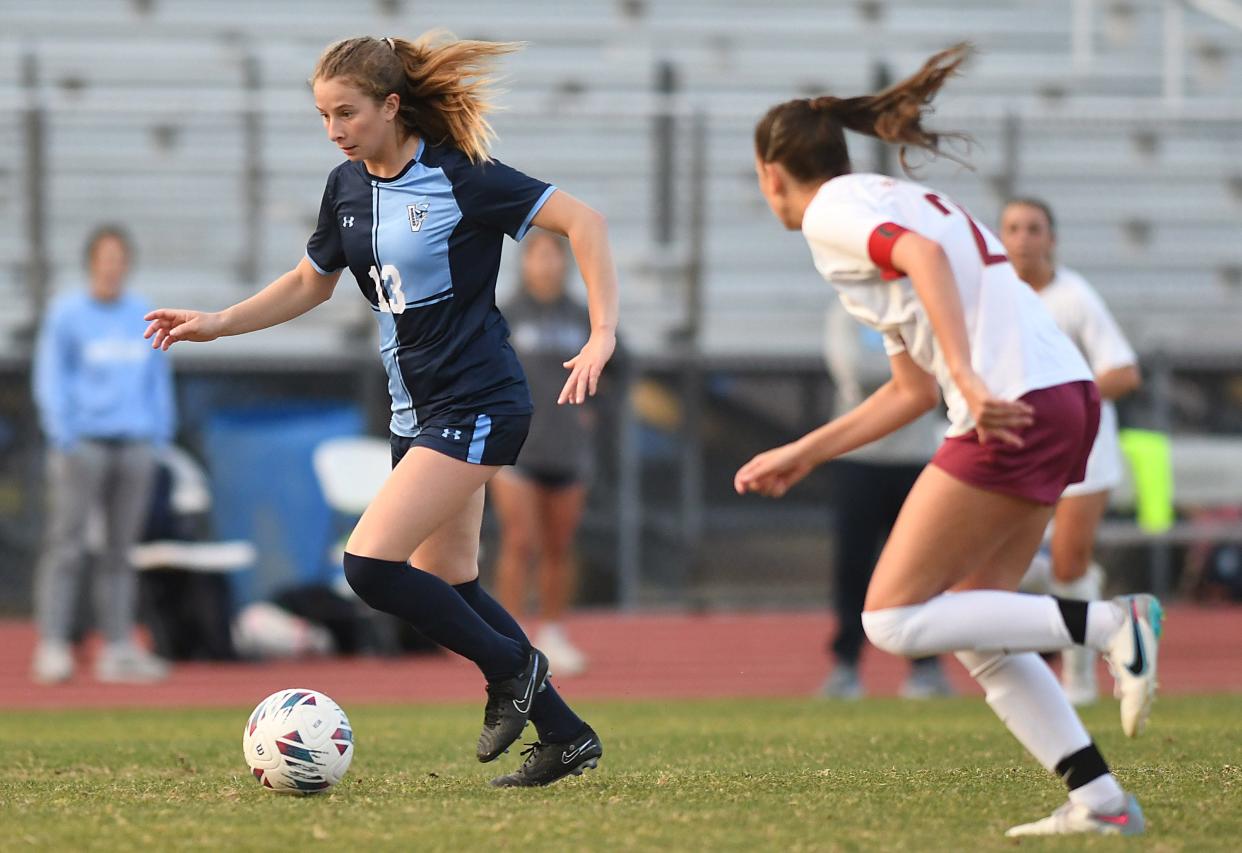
x,y
298,742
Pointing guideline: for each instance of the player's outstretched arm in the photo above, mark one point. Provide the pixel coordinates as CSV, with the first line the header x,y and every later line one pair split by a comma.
x,y
909,394
291,295
587,231
927,266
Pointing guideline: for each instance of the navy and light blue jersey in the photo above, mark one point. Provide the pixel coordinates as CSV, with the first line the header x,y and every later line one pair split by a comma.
x,y
425,247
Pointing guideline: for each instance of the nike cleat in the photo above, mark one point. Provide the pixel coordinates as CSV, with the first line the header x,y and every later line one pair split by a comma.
x,y
1073,819
508,706
548,762
1131,656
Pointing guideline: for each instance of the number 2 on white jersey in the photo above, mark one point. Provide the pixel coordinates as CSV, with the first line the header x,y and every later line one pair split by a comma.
x,y
981,242
394,304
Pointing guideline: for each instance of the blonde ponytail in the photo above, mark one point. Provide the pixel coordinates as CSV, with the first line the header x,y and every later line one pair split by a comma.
x,y
444,84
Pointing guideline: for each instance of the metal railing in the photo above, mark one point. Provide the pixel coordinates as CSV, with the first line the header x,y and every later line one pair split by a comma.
x,y
1173,35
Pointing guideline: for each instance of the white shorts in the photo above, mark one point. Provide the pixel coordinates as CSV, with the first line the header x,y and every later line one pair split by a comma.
x,y
1104,463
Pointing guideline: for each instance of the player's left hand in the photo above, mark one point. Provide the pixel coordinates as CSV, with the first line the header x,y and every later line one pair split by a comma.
x,y
773,472
585,368
996,420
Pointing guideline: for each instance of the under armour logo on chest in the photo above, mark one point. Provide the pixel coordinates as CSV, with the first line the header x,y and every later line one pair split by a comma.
x,y
347,221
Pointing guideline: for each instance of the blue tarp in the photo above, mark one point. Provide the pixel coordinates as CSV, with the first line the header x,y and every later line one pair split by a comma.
x,y
265,490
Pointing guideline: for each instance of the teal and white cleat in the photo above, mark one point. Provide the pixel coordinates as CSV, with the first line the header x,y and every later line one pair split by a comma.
x,y
1073,819
1131,656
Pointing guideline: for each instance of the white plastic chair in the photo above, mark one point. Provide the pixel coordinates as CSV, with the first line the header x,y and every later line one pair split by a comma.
x,y
351,470
191,494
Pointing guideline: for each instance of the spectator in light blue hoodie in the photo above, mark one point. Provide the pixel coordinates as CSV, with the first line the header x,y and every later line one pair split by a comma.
x,y
105,402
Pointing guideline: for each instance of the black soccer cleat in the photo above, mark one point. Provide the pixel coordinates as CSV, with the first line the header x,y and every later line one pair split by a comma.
x,y
547,762
508,706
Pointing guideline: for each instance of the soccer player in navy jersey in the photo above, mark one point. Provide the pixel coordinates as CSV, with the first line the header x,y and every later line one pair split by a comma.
x,y
417,213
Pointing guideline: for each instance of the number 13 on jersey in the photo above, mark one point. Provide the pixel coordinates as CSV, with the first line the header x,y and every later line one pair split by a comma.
x,y
392,300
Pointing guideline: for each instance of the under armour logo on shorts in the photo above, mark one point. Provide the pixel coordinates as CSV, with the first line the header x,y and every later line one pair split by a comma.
x,y
347,221
454,434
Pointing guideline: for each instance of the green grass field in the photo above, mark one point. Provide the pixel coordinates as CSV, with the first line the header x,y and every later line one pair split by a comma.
x,y
718,775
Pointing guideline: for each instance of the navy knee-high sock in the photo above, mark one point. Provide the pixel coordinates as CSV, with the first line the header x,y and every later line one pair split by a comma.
x,y
555,721
434,608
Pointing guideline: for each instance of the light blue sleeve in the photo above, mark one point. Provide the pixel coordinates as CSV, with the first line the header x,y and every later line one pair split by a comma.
x,y
54,363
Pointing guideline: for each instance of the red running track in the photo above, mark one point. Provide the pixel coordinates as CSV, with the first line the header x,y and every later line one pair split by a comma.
x,y
644,656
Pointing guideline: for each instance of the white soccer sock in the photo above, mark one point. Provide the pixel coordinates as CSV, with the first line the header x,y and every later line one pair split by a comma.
x,y
1086,588
1038,578
1102,795
1078,662
1023,692
978,620
1104,619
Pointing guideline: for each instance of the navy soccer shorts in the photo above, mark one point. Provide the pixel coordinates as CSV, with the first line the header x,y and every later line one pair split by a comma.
x,y
477,439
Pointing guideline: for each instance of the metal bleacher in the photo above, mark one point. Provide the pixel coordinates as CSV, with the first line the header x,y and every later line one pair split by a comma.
x,y
190,123
157,112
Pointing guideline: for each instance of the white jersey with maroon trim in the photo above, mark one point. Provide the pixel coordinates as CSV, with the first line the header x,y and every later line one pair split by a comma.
x,y
1015,346
1079,311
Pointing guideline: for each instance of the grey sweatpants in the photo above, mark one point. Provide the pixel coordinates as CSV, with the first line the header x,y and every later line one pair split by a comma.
x,y
112,479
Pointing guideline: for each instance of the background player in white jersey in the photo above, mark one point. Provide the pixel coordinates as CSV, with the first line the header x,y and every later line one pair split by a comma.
x,y
418,212
1066,569
1023,409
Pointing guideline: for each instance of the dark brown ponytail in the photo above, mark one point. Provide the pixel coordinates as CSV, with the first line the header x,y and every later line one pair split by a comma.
x,y
806,135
